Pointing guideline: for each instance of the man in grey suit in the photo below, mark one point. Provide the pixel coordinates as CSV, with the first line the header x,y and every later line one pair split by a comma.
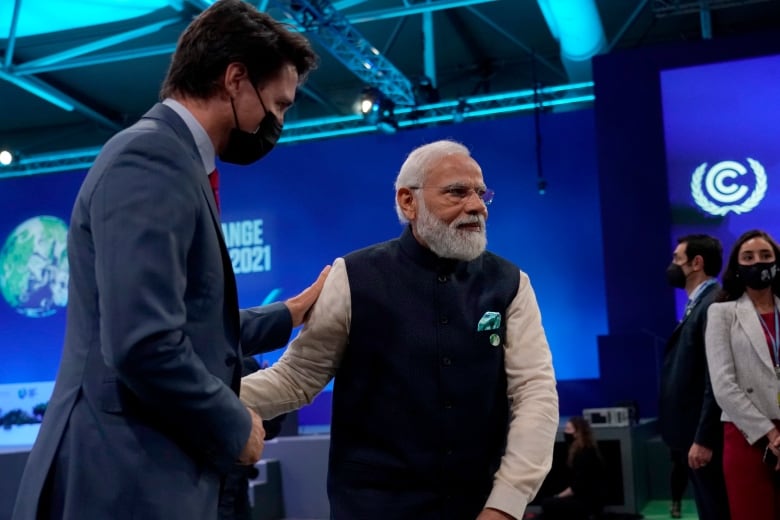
x,y
689,417
145,418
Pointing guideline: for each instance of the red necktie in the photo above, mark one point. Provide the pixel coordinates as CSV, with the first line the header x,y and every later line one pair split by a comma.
x,y
214,181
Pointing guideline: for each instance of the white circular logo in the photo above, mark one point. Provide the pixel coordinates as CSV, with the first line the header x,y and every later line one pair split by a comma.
x,y
722,188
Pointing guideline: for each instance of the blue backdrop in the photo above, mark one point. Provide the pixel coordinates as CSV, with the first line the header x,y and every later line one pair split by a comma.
x,y
306,204
721,126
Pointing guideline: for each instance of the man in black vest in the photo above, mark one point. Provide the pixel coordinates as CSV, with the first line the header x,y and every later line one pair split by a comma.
x,y
688,414
444,403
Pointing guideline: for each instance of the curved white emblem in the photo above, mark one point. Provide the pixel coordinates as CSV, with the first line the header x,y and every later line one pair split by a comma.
x,y
718,189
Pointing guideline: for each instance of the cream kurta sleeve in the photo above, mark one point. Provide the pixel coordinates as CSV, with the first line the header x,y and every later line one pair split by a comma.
x,y
312,358
534,406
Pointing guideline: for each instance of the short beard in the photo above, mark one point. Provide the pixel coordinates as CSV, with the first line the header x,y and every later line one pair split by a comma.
x,y
447,241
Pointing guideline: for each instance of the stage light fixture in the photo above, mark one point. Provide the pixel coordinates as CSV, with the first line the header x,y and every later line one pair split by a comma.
x,y
6,158
378,110
369,101
366,105
459,115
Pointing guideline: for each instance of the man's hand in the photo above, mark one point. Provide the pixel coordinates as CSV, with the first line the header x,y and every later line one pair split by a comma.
x,y
494,514
300,304
699,456
253,448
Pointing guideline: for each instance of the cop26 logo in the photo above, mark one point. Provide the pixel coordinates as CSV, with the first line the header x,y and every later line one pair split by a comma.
x,y
727,187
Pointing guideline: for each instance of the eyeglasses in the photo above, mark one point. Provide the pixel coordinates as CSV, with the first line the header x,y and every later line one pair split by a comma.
x,y
458,193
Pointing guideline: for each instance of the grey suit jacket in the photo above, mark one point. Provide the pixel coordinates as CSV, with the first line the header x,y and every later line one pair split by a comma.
x,y
145,416
741,370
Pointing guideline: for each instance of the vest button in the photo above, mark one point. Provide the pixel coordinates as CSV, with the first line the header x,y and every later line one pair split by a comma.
x,y
448,404
446,361
442,278
444,320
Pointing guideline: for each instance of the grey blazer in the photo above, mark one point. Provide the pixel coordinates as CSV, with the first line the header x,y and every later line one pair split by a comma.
x,y
741,370
144,416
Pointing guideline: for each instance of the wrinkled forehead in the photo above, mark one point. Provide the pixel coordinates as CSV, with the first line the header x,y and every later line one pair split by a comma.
x,y
455,168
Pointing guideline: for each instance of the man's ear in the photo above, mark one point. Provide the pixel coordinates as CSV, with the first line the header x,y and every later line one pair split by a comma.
x,y
698,263
235,73
407,202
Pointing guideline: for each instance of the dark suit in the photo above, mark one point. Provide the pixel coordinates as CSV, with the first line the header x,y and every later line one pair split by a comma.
x,y
144,416
688,412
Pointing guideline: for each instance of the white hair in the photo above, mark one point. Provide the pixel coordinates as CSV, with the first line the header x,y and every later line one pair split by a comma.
x,y
415,168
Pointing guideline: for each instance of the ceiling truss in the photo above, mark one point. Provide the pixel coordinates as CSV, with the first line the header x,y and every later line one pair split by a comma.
x,y
322,20
451,111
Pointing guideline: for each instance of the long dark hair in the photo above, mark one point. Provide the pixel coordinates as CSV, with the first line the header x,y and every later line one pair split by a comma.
x,y
733,287
583,440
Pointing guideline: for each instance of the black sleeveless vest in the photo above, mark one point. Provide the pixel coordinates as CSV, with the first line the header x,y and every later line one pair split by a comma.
x,y
420,411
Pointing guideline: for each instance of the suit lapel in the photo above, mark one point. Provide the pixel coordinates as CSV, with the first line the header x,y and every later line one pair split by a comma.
x,y
748,320
689,313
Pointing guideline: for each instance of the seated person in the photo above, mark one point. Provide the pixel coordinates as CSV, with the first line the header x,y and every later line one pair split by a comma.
x,y
586,493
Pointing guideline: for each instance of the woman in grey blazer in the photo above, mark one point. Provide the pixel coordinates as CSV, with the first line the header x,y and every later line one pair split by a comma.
x,y
742,340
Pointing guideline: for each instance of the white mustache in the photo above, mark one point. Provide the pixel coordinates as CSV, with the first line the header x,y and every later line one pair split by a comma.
x,y
470,219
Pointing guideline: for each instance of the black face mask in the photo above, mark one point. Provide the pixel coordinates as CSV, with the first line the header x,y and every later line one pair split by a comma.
x,y
757,276
675,276
568,438
245,147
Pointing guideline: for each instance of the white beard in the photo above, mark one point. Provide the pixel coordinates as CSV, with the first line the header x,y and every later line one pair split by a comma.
x,y
447,241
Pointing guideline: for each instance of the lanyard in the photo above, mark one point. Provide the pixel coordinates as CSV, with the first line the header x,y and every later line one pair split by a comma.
x,y
774,338
694,298
701,288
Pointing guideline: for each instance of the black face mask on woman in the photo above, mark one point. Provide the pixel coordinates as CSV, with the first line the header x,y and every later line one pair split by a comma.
x,y
568,438
247,147
757,276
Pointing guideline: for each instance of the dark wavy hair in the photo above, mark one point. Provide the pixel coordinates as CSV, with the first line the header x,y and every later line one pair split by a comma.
x,y
234,31
733,287
584,440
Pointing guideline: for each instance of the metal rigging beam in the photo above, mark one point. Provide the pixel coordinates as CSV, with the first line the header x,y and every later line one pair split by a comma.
x,y
450,111
100,44
397,12
9,51
324,23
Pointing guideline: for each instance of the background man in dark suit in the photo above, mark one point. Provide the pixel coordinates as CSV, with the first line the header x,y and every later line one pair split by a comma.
x,y
688,414
144,418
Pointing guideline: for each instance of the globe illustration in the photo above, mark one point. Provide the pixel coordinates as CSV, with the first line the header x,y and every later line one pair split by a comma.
x,y
34,267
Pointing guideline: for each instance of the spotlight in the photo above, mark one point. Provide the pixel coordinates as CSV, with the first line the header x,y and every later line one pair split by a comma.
x,y
369,101
541,185
6,158
460,111
378,110
366,105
